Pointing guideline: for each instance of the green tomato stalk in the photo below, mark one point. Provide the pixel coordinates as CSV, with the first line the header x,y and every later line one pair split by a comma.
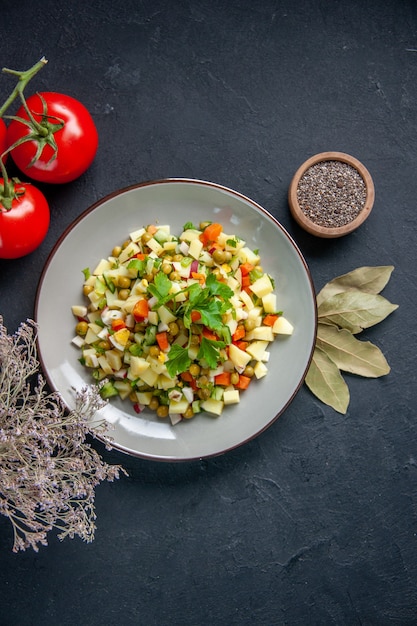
x,y
41,132
23,78
8,191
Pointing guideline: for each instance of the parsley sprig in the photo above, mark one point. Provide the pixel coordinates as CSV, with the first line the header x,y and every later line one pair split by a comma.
x,y
212,301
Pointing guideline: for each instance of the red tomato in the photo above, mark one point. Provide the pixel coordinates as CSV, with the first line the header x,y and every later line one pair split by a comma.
x,y
3,143
76,140
24,226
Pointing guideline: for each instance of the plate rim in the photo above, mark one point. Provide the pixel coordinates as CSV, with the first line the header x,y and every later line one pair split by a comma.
x,y
192,181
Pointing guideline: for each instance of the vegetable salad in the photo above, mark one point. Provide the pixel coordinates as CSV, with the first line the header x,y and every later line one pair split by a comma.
x,y
178,324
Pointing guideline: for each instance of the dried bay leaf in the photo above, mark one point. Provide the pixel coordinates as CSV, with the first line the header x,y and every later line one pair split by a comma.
x,y
355,310
347,305
326,382
368,279
351,355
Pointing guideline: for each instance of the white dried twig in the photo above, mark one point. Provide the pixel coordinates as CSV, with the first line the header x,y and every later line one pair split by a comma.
x,y
48,470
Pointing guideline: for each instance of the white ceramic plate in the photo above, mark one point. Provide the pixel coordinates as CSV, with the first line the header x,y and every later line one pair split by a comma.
x,y
177,201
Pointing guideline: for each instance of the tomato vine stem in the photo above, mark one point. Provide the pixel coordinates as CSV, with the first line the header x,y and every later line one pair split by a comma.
x,y
8,191
23,78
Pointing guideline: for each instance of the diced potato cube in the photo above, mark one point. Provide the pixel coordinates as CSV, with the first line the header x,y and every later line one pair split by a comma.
x,y
239,357
90,357
94,297
215,407
155,246
169,245
128,252
156,365
103,266
232,324
137,234
196,247
79,310
233,283
144,397
190,234
90,280
165,382
178,407
153,318
264,333
246,255
247,300
262,286
94,316
233,247
130,303
206,258
91,336
114,358
231,396
255,314
140,286
181,297
269,303
282,326
260,370
166,228
241,314
112,298
165,315
95,328
257,349
138,365
149,377
234,244
183,270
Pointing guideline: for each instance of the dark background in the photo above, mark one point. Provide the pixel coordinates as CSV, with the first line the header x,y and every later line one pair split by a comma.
x,y
314,522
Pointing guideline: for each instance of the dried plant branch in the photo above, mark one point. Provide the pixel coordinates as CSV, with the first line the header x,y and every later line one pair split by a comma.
x,y
48,471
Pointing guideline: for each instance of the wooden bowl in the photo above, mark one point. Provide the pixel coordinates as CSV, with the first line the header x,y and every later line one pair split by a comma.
x,y
330,231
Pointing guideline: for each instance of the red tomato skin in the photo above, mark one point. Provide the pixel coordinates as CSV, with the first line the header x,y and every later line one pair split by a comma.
x,y
77,141
3,141
24,227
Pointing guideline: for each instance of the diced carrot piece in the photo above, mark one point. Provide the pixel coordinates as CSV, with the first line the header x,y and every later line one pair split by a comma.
x,y
211,232
195,316
245,268
151,229
209,334
242,345
270,319
187,378
140,310
118,324
222,379
243,382
245,280
162,340
239,333
140,256
200,277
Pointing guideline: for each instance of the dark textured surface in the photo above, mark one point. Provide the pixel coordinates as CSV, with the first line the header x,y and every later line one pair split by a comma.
x,y
314,522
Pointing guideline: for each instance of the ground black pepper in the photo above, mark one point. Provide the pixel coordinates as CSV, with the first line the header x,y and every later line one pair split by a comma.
x,y
331,193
